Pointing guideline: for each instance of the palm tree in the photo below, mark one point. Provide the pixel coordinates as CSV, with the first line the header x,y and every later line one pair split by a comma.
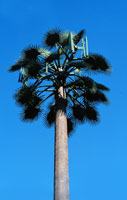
x,y
63,75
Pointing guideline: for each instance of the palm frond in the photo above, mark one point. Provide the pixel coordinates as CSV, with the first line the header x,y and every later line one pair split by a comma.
x,y
52,57
102,87
31,53
77,64
50,116
75,83
64,39
52,37
23,95
34,101
70,126
44,52
78,112
97,62
27,96
97,97
23,62
79,36
34,67
83,82
30,113
91,114
89,82
14,68
79,83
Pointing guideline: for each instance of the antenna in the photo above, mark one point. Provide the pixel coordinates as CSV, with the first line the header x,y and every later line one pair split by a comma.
x,y
87,46
83,45
71,43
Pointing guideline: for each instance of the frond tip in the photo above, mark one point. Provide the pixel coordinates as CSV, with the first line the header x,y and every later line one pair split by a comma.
x,y
31,113
102,87
14,68
52,37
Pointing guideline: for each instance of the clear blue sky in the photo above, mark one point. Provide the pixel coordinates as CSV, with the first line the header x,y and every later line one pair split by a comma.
x,y
97,154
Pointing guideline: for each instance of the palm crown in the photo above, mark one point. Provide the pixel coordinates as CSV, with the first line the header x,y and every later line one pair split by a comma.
x,y
43,72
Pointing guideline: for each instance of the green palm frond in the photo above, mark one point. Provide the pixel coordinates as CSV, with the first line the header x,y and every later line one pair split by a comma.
x,y
34,68
78,112
52,37
44,52
83,82
70,126
77,64
14,68
34,101
52,57
31,113
64,39
89,82
102,87
23,62
78,36
51,115
31,53
97,63
97,97
75,83
91,114
26,95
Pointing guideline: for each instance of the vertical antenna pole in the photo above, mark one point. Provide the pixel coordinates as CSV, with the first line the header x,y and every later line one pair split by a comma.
x,y
71,43
83,44
87,46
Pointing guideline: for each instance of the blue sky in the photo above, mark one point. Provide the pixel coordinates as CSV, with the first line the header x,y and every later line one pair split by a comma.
x,y
97,154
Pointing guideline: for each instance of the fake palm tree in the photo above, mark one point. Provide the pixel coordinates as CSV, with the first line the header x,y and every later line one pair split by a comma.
x,y
62,74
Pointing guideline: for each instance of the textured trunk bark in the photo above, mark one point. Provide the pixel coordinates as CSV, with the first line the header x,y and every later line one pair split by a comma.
x,y
61,175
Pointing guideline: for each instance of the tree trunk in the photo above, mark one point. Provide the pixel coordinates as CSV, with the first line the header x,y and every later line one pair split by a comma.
x,y
61,176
